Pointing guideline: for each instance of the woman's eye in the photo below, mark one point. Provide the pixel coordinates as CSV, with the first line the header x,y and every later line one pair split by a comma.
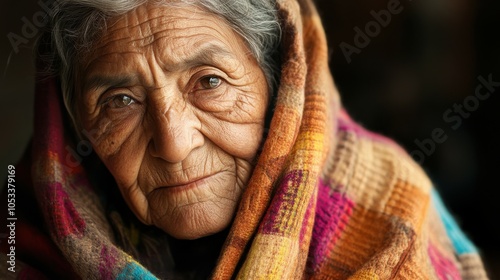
x,y
120,101
210,82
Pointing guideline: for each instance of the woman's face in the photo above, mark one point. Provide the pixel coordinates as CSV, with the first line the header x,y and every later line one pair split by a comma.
x,y
175,104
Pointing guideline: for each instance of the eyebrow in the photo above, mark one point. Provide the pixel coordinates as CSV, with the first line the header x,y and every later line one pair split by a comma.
x,y
205,55
208,54
100,81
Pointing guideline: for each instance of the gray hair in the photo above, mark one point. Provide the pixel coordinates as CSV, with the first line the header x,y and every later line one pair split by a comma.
x,y
75,24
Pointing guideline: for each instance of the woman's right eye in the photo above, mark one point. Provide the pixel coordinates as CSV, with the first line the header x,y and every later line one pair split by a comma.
x,y
210,82
119,101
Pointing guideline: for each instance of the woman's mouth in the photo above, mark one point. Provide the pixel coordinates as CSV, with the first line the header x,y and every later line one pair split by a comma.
x,y
191,184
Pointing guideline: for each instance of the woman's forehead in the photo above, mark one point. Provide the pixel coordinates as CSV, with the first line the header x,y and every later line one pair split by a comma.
x,y
174,35
146,23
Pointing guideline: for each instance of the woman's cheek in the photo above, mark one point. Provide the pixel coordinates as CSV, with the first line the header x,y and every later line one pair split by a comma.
x,y
238,129
112,131
248,130
118,140
137,202
247,140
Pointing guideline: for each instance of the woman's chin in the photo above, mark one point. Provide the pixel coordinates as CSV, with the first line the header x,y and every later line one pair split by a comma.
x,y
195,224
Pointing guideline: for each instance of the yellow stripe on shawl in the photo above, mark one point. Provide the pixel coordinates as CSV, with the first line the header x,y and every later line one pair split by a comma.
x,y
271,264
306,142
365,274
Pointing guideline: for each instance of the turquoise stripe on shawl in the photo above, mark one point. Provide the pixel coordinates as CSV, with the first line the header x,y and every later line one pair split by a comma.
x,y
134,271
461,243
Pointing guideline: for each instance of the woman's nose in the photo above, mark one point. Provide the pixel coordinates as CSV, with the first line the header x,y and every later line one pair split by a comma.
x,y
176,132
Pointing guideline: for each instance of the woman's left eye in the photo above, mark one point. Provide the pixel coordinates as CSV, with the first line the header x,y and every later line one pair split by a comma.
x,y
210,82
120,101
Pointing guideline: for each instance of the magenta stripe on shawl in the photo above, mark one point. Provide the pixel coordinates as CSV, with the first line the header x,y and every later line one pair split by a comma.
x,y
361,131
445,269
108,261
348,125
333,211
48,125
282,204
65,218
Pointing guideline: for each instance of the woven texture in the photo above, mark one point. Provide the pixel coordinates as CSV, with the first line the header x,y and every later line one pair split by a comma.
x,y
326,200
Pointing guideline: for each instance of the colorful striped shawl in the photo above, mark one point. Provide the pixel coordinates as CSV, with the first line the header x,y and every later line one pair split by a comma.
x,y
327,198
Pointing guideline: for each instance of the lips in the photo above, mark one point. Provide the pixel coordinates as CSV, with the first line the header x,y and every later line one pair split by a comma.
x,y
191,183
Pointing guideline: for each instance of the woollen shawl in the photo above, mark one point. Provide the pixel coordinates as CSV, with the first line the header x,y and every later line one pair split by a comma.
x,y
327,199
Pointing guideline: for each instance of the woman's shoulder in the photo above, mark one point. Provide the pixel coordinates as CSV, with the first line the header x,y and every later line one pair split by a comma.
x,y
375,172
378,212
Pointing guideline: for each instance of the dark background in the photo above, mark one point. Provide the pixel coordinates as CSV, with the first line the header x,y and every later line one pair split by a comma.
x,y
426,59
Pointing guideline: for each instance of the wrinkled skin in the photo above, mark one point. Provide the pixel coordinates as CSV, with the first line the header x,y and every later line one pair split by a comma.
x,y
176,103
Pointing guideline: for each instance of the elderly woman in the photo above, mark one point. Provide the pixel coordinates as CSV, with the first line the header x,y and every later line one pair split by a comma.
x,y
206,139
